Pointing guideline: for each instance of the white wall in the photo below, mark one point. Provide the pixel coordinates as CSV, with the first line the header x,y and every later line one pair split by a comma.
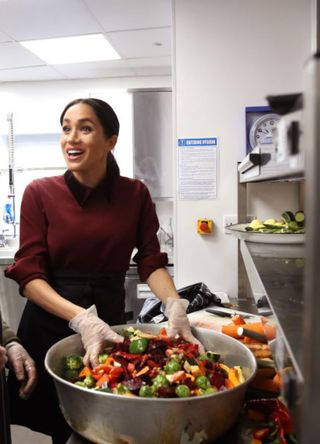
x,y
36,108
229,55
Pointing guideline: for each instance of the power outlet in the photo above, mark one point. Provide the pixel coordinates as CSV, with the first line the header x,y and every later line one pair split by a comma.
x,y
229,220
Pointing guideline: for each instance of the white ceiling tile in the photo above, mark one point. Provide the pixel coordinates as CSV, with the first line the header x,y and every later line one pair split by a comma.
x,y
150,62
132,26
128,14
34,19
30,74
4,37
141,43
13,55
113,68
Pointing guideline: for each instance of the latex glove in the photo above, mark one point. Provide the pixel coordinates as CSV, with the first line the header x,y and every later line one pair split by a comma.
x,y
178,322
24,368
95,334
3,358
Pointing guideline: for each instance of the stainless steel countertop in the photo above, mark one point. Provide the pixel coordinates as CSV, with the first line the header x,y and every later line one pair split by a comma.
x,y
281,269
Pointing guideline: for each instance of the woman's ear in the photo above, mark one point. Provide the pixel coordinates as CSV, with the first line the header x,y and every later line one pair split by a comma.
x,y
111,141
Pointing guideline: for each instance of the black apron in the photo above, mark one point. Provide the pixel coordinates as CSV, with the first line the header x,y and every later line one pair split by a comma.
x,y
39,330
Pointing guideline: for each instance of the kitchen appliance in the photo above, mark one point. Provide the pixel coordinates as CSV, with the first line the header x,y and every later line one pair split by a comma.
x,y
104,417
284,156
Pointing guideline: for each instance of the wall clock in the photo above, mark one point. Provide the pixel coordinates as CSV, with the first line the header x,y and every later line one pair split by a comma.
x,y
260,126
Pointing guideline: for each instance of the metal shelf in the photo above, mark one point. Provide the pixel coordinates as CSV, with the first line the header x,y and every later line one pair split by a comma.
x,y
276,271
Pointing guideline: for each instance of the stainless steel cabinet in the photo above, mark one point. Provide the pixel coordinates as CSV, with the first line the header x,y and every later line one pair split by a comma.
x,y
153,143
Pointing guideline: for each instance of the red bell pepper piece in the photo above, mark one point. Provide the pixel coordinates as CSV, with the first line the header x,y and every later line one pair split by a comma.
x,y
115,374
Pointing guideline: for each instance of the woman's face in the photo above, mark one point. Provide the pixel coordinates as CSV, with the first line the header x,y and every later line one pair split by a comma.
x,y
84,144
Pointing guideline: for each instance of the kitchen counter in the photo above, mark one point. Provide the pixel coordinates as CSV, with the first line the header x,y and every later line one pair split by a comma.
x,y
7,255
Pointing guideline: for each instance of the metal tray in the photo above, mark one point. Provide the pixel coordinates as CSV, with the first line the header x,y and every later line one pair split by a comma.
x,y
239,230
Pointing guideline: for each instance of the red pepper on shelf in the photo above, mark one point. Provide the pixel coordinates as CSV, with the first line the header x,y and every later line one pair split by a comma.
x,y
277,413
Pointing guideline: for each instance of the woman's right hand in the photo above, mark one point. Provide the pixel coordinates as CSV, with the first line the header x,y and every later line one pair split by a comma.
x,y
95,334
3,358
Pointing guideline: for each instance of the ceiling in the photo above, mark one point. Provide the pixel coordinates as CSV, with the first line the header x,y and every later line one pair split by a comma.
x,y
139,30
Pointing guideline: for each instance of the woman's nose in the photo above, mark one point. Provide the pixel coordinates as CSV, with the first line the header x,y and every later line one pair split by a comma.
x,y
73,135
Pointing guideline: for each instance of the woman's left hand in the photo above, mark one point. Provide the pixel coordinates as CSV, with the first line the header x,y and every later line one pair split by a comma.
x,y
178,322
24,368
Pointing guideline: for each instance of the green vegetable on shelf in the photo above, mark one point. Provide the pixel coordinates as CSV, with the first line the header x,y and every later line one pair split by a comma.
x,y
288,224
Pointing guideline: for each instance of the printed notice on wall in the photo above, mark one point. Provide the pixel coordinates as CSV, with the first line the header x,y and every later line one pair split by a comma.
x,y
197,168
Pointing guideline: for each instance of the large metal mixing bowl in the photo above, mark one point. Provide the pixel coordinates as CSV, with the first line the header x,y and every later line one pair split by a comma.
x,y
107,418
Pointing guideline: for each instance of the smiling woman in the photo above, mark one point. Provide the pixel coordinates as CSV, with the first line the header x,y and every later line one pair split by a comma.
x,y
71,263
85,143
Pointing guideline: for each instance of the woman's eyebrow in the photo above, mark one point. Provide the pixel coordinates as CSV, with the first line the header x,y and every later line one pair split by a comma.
x,y
85,119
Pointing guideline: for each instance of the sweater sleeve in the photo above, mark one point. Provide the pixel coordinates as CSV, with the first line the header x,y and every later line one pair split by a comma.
x,y
149,257
7,333
31,260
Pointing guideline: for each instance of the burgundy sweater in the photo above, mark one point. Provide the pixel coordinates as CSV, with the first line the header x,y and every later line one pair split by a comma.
x,y
65,226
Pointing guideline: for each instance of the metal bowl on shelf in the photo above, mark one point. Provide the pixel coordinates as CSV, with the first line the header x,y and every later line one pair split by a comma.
x,y
116,419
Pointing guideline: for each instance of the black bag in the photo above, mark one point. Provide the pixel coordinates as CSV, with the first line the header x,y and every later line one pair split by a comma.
x,y
198,295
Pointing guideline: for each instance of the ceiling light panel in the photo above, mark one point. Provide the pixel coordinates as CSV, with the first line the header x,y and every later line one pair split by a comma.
x,y
76,49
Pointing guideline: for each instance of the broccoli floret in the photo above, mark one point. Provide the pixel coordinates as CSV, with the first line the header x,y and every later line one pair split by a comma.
x,y
89,381
71,374
74,362
80,384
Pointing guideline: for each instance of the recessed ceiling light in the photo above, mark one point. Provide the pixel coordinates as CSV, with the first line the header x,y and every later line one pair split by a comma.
x,y
82,48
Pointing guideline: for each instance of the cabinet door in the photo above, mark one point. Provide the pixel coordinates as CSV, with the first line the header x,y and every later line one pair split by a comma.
x,y
152,135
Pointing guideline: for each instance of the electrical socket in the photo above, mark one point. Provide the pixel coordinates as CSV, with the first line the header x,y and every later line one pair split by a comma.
x,y
229,220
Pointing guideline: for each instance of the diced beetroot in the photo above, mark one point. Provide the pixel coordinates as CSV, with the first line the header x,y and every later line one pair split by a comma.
x,y
167,392
217,379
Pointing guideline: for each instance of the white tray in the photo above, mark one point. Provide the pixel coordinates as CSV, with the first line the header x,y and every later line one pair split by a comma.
x,y
240,232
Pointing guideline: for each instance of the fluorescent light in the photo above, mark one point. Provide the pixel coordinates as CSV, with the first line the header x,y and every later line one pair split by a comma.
x,y
82,48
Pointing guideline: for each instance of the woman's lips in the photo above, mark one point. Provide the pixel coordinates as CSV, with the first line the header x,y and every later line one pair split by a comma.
x,y
74,153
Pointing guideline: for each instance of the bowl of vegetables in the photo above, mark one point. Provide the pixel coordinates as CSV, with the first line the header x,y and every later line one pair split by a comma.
x,y
151,388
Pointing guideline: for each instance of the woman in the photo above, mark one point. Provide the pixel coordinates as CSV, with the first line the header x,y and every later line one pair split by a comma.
x,y
16,357
77,235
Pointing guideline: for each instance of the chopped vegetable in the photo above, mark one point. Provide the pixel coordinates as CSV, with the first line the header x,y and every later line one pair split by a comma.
x,y
158,366
138,346
272,411
288,223
74,362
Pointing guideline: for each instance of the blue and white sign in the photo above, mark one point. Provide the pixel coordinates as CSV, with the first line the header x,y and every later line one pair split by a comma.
x,y
197,168
212,141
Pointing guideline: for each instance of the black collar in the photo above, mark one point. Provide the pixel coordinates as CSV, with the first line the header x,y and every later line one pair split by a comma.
x,y
82,193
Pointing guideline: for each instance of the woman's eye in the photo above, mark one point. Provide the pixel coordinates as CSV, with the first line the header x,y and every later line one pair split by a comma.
x,y
65,129
86,129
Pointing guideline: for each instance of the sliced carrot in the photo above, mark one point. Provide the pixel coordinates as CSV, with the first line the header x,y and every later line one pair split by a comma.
x,y
265,384
143,371
230,330
85,372
277,380
238,320
228,383
256,441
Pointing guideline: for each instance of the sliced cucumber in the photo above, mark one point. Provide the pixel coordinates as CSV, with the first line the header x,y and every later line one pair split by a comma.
x,y
299,217
288,216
